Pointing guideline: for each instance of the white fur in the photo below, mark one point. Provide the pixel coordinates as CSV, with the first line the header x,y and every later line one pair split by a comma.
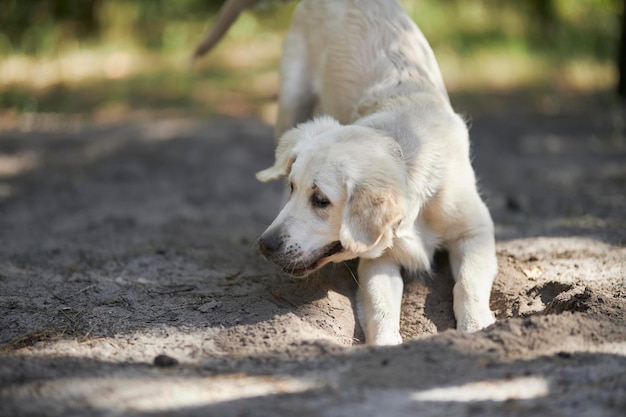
x,y
389,155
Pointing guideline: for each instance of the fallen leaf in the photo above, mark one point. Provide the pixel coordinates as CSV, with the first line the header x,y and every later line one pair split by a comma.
x,y
533,272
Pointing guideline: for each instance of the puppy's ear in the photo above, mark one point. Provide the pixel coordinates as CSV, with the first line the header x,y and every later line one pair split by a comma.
x,y
290,144
284,157
369,213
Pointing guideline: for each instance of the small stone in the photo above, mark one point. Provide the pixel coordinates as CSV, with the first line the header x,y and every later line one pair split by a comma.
x,y
513,204
564,355
164,361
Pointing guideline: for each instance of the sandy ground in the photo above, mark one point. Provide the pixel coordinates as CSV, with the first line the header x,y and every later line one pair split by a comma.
x,y
121,243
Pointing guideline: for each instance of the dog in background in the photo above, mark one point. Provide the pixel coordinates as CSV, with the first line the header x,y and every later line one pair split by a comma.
x,y
377,161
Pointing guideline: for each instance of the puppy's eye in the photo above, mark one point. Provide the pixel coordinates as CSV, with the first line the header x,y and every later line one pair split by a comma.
x,y
291,187
319,201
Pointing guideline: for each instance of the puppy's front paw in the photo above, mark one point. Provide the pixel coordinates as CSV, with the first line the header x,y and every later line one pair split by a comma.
x,y
475,320
390,338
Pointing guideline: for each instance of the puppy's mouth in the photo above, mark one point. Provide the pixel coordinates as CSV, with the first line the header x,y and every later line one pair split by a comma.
x,y
300,269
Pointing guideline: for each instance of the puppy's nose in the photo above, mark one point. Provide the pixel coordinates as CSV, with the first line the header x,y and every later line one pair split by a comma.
x,y
270,243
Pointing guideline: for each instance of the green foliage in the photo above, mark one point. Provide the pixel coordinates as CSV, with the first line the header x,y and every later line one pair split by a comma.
x,y
562,27
82,56
45,26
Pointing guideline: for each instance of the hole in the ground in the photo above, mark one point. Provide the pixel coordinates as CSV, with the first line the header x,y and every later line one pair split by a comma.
x,y
549,291
576,300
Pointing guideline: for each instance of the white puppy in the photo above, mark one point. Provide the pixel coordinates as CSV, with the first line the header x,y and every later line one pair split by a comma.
x,y
377,161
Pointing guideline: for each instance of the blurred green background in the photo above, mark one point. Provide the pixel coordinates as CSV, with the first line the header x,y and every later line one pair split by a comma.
x,y
106,60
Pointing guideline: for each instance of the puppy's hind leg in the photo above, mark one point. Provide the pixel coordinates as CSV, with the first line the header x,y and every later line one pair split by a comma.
x,y
297,99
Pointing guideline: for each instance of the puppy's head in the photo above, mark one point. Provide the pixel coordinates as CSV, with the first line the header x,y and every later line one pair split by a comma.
x,y
347,193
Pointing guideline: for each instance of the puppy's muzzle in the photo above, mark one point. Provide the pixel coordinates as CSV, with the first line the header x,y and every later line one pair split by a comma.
x,y
270,244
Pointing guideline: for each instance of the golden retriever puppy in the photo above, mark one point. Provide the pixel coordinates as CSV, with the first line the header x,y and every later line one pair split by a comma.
x,y
377,162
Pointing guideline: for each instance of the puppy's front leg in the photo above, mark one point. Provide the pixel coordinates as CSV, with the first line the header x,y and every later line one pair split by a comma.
x,y
474,266
379,299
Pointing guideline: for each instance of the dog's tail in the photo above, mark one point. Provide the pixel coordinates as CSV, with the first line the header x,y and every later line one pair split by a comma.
x,y
227,15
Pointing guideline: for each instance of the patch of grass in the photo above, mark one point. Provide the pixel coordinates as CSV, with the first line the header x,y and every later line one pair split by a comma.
x,y
31,338
73,327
